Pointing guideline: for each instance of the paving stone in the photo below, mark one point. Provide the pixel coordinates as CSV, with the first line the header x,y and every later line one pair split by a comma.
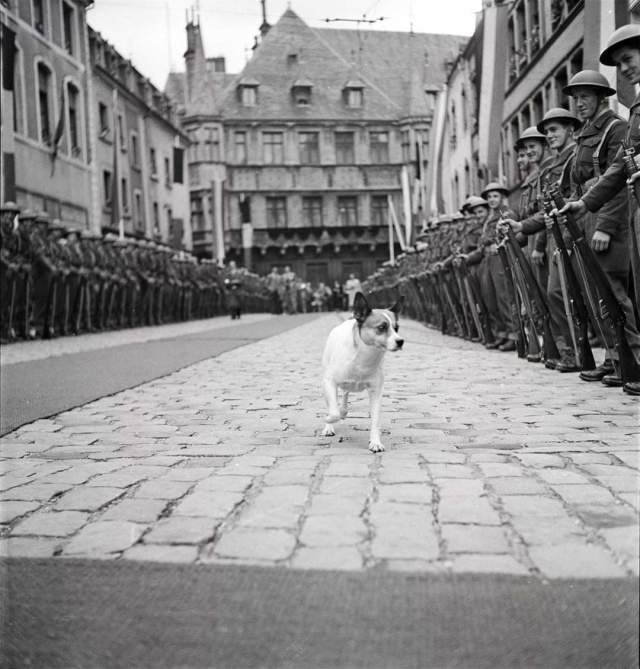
x,y
417,566
540,460
630,458
104,537
497,469
584,494
337,468
402,475
51,523
256,544
340,558
87,498
547,530
9,511
474,539
517,485
286,495
224,483
575,560
476,510
343,485
620,483
119,479
28,547
289,477
418,493
562,477
625,543
533,506
450,471
270,516
609,470
135,510
161,553
414,538
597,515
208,504
177,530
459,487
163,489
631,498
322,504
322,531
488,564
186,472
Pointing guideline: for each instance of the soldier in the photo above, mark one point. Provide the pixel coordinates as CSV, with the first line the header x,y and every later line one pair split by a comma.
x,y
494,282
623,52
9,269
44,271
605,222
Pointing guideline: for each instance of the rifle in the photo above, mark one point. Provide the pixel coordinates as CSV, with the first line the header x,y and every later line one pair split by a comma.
x,y
452,306
608,305
473,331
575,307
533,290
516,315
631,167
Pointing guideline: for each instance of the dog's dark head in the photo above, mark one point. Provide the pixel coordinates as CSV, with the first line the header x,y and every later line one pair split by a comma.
x,y
378,327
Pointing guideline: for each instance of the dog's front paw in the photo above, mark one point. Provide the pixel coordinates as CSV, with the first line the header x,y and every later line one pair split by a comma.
x,y
332,418
375,447
328,431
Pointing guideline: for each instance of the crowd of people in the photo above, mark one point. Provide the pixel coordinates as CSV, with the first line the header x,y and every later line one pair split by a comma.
x,y
557,272
57,280
290,294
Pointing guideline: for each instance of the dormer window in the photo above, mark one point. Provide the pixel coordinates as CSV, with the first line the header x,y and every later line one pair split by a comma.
x,y
301,92
353,93
248,92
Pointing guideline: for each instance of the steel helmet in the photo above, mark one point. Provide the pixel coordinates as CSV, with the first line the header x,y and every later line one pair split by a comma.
x,y
559,114
530,133
494,186
589,79
628,33
475,201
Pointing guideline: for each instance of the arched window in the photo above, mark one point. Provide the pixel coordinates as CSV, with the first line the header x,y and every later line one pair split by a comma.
x,y
44,100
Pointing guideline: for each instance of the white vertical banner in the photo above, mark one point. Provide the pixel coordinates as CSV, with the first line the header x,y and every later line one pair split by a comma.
x,y
396,223
406,204
392,254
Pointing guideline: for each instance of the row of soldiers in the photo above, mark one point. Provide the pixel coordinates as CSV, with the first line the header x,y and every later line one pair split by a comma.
x,y
57,280
562,270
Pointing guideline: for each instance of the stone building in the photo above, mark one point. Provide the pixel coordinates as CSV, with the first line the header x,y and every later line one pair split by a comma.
x,y
140,139
46,145
311,140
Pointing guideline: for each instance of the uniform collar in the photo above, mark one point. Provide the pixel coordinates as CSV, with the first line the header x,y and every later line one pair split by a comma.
x,y
596,126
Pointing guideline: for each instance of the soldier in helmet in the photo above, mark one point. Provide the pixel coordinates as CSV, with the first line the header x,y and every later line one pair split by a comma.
x,y
9,269
622,51
607,228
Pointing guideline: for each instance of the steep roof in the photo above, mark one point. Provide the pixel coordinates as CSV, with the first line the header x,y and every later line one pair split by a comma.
x,y
393,67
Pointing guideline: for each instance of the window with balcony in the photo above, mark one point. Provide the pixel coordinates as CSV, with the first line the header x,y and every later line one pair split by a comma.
x,y
153,162
124,195
272,148
212,145
379,210
240,147
103,120
345,147
276,212
135,162
167,173
121,135
312,212
73,110
68,32
309,143
39,17
44,102
106,188
379,146
347,210
137,209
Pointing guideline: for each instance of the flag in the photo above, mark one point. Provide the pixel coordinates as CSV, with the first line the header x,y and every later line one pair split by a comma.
x,y
57,136
116,219
8,57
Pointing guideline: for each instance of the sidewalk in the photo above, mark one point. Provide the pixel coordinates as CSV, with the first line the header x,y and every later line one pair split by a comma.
x,y
492,465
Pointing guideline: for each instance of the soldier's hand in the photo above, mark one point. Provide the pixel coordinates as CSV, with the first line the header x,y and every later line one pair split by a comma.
x,y
537,258
633,178
548,222
600,241
516,226
576,207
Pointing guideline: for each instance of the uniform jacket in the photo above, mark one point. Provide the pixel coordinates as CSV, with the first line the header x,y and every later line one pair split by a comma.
x,y
612,216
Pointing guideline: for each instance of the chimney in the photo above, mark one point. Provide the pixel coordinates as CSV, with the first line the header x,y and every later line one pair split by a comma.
x,y
194,58
265,26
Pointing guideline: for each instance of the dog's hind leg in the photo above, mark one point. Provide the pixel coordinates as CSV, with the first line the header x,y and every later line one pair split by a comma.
x,y
331,398
375,400
344,405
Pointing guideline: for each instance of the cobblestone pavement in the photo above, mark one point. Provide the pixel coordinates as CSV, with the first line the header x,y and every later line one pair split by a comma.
x,y
492,465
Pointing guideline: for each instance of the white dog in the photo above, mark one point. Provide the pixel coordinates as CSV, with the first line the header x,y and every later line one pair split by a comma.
x,y
352,361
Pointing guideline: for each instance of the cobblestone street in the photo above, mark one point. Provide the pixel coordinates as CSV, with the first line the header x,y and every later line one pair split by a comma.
x,y
492,465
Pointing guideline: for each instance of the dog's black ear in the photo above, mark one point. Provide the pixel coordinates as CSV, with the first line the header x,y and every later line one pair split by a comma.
x,y
361,308
398,305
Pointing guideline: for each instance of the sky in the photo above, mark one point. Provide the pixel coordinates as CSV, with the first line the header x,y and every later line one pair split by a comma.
x,y
152,32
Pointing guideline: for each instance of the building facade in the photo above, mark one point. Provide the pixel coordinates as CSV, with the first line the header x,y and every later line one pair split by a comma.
x,y
315,138
46,144
140,144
